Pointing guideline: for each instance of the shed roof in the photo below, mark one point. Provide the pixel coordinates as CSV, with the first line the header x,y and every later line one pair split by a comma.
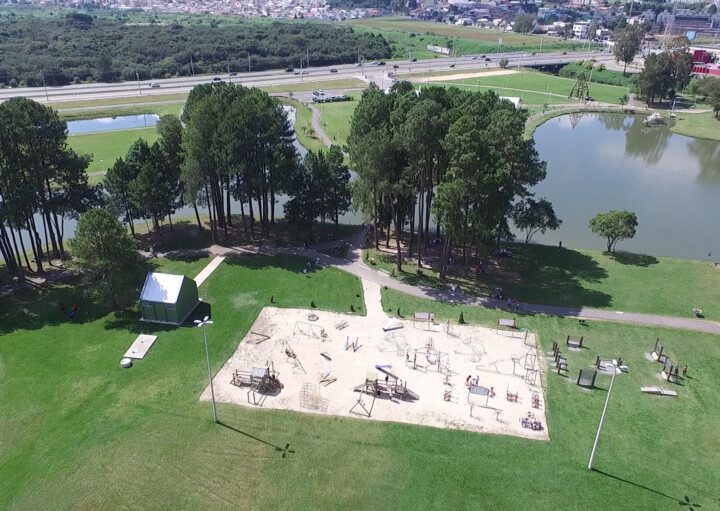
x,y
162,287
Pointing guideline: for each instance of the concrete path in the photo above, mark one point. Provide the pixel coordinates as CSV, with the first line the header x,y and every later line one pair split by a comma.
x,y
207,271
354,265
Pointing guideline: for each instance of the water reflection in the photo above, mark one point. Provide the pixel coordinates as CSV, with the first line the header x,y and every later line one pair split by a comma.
x,y
646,142
612,161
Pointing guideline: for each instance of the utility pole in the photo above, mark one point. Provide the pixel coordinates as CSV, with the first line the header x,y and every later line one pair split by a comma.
x,y
307,53
410,58
192,66
248,62
137,76
45,86
602,418
200,324
228,68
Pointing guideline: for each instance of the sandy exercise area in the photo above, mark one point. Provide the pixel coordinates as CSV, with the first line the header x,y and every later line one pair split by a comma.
x,y
415,374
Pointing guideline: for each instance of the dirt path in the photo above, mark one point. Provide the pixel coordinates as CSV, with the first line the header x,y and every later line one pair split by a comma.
x,y
315,122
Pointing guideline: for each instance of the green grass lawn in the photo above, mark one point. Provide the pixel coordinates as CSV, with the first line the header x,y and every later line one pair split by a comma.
x,y
73,114
541,83
335,118
559,276
78,432
108,146
405,35
704,125
303,126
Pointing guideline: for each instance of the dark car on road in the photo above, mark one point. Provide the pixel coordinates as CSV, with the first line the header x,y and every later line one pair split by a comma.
x,y
289,69
381,63
333,70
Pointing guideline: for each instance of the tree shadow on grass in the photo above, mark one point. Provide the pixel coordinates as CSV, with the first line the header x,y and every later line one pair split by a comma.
x,y
630,259
550,275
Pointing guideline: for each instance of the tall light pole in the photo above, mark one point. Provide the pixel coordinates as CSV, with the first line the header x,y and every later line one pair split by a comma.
x,y
602,417
200,324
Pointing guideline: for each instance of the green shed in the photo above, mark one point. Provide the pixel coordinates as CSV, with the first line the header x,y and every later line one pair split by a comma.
x,y
168,298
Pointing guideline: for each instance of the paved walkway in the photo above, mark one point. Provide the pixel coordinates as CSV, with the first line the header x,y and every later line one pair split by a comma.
x,y
354,265
207,271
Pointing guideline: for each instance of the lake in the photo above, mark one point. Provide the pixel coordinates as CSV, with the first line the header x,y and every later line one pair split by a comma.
x,y
124,122
599,162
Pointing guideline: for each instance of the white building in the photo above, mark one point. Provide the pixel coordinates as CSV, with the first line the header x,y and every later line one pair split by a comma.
x,y
580,29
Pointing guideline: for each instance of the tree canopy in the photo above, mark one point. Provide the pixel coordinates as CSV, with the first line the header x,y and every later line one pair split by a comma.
x,y
103,250
93,48
534,216
627,44
456,153
42,181
614,226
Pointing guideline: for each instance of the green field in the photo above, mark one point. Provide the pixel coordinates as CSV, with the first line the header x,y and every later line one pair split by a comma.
x,y
78,432
543,274
75,114
411,36
335,118
704,125
108,146
550,88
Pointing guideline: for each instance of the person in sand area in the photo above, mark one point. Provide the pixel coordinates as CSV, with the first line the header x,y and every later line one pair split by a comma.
x,y
467,381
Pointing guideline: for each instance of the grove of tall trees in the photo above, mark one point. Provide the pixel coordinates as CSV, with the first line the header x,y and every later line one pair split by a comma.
x,y
42,181
458,155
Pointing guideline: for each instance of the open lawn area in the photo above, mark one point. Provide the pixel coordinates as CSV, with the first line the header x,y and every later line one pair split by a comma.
x,y
406,35
335,118
174,108
79,432
108,146
704,125
552,89
543,274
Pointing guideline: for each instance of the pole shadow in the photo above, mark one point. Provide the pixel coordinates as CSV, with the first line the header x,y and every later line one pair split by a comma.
x,y
686,502
284,450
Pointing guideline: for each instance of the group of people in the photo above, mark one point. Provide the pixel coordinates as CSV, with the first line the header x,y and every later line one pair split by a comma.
x,y
72,313
531,422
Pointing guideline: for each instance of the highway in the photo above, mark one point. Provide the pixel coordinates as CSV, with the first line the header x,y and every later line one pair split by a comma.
x,y
279,78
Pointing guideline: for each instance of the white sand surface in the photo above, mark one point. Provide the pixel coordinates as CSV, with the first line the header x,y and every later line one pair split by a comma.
x,y
430,363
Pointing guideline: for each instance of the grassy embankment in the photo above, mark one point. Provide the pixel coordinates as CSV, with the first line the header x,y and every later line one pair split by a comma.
x,y
412,36
76,431
335,118
560,276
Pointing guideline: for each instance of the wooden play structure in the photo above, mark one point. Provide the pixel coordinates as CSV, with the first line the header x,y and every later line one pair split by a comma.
x,y
260,380
390,385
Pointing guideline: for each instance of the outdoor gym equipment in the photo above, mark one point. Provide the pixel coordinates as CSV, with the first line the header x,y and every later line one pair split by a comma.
x,y
574,342
361,404
393,342
424,320
309,330
657,350
586,378
310,398
355,345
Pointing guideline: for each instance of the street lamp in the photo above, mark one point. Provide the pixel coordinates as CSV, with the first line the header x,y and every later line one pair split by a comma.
x,y
602,417
207,321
